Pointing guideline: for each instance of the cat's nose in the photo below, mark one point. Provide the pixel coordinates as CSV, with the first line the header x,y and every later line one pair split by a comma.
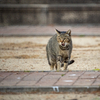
x,y
63,44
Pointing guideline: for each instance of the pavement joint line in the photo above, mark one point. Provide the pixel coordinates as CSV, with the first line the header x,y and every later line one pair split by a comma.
x,y
22,78
59,79
6,76
78,78
94,80
41,78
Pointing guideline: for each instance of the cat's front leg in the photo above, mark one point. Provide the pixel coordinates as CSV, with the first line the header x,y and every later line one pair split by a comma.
x,y
65,67
59,59
65,64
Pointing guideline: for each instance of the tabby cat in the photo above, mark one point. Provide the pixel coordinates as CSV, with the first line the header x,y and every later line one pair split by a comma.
x,y
59,50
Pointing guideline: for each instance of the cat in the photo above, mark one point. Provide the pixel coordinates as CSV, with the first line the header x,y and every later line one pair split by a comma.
x,y
59,49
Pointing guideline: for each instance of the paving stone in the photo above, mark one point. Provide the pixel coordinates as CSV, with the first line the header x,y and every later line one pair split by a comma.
x,y
48,80
84,82
57,73
26,83
35,76
13,78
97,82
90,75
51,77
99,76
68,79
74,74
4,75
65,82
16,76
8,82
31,79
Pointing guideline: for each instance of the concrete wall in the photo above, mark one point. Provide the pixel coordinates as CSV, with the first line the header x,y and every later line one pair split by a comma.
x,y
48,1
49,14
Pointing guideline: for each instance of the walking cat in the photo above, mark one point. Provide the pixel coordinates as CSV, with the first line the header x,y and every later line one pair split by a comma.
x,y
59,50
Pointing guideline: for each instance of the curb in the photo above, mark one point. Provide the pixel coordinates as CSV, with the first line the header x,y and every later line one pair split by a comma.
x,y
50,89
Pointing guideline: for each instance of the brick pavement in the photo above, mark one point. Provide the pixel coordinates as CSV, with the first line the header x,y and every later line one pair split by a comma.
x,y
49,81
88,30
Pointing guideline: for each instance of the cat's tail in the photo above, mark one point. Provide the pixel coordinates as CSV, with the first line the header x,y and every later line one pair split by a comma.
x,y
70,62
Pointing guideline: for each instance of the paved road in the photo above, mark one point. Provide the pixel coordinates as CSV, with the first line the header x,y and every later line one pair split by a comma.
x,y
49,30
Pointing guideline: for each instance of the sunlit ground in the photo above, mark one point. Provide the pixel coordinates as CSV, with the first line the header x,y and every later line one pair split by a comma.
x,y
28,53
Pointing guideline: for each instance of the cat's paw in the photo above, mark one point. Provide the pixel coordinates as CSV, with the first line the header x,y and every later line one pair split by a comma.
x,y
62,68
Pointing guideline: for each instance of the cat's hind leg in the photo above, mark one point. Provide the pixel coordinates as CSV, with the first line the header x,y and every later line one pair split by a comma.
x,y
56,66
59,60
52,66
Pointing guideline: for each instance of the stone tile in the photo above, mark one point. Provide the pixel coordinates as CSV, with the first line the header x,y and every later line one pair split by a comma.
x,y
69,77
57,73
97,82
31,79
74,74
8,82
90,75
84,82
13,78
34,76
65,82
26,83
4,75
52,77
16,76
48,80
99,76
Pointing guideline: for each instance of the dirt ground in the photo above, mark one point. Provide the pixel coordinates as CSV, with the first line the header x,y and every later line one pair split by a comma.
x,y
28,53
69,96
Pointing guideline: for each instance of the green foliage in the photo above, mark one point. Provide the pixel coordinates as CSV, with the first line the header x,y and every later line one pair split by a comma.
x,y
62,74
96,69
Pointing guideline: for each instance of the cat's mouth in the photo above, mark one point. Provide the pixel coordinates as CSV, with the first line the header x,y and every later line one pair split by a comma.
x,y
63,44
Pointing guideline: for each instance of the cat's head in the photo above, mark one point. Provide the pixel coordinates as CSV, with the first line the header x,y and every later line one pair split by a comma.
x,y
63,37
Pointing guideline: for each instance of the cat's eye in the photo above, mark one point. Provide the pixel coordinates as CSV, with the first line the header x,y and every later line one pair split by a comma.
x,y
59,39
68,40
64,39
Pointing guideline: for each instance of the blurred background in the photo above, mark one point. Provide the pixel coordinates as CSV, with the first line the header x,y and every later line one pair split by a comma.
x,y
33,22
49,12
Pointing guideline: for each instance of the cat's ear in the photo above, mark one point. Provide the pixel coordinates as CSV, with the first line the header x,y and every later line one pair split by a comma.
x,y
69,32
58,32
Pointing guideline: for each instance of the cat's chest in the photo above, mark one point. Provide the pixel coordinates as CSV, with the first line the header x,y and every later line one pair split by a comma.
x,y
64,53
